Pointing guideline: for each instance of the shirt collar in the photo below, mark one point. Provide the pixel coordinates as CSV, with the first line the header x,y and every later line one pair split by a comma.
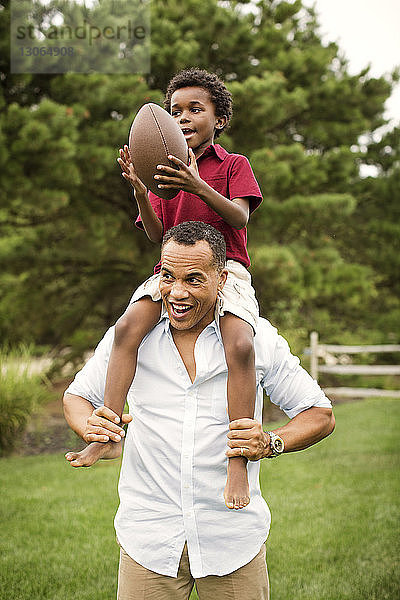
x,y
216,150
212,327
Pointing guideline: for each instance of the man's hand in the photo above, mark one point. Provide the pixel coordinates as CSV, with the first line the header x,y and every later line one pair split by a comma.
x,y
187,178
102,426
249,435
128,171
305,429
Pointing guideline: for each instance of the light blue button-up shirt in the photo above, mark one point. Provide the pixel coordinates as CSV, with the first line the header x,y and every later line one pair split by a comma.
x,y
174,465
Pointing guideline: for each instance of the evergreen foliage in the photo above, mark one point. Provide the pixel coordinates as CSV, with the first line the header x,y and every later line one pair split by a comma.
x,y
324,243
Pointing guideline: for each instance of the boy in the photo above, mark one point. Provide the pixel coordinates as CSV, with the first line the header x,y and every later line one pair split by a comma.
x,y
221,190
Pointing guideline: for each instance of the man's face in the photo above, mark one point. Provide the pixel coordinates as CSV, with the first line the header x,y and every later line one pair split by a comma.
x,y
189,284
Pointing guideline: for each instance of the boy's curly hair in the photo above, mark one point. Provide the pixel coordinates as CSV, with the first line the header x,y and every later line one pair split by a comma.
x,y
195,77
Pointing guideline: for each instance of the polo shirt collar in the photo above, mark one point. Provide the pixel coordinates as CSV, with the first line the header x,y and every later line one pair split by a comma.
x,y
215,149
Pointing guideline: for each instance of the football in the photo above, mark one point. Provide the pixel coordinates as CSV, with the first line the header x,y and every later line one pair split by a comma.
x,y
153,136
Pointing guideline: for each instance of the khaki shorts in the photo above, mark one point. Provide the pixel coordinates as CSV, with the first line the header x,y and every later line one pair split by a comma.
x,y
237,297
135,582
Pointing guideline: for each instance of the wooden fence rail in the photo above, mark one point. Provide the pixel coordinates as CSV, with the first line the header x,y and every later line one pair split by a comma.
x,y
327,351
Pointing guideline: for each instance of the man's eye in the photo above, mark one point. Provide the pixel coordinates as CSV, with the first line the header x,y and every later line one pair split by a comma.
x,y
166,277
193,280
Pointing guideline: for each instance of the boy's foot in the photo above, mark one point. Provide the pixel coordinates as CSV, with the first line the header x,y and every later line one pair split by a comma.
x,y
88,456
236,493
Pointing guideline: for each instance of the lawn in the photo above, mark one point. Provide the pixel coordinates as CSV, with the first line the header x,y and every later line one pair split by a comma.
x,y
334,535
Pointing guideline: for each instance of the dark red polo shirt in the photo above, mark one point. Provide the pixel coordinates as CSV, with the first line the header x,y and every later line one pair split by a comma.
x,y
229,174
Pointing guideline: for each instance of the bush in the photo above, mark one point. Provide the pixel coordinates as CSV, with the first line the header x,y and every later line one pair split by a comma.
x,y
21,392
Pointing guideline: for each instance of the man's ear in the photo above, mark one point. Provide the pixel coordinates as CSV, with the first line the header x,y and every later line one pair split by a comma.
x,y
222,279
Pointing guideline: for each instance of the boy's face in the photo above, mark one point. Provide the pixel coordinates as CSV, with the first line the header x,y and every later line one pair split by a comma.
x,y
193,110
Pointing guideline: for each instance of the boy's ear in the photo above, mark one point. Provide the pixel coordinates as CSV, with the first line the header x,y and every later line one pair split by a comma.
x,y
221,122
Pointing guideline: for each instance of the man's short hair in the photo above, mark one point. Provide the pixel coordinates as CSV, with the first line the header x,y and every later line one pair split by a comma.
x,y
191,232
195,77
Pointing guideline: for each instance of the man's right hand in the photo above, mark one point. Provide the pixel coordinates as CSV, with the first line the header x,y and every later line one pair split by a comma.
x,y
102,426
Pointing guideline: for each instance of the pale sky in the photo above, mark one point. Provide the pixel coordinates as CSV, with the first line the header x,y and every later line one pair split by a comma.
x,y
367,32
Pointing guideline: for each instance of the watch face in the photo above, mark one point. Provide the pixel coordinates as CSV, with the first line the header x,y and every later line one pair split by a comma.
x,y
278,445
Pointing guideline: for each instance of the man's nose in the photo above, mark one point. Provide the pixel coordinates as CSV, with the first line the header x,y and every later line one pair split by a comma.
x,y
178,290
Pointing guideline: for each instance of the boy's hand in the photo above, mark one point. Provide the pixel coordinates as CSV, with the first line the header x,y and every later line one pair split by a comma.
x,y
102,426
187,178
128,171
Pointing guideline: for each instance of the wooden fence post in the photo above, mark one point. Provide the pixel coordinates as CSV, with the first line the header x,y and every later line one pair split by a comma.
x,y
314,355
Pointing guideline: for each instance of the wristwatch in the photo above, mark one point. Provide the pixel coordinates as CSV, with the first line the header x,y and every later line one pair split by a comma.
x,y
276,444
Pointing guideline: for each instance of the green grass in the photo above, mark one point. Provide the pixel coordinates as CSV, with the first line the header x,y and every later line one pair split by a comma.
x,y
335,515
335,508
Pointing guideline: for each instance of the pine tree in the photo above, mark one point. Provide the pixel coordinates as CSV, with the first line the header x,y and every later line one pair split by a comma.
x,y
69,253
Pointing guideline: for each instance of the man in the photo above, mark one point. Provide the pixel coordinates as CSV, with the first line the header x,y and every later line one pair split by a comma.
x,y
172,523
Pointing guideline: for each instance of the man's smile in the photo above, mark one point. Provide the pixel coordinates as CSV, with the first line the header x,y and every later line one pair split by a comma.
x,y
178,310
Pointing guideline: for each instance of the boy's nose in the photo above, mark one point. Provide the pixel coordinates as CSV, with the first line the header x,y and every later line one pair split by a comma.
x,y
184,118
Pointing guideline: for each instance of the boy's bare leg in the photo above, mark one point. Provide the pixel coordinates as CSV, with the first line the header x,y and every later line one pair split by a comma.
x,y
238,341
130,329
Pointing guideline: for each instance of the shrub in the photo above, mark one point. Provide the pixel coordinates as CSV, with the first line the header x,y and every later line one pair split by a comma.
x,y
22,391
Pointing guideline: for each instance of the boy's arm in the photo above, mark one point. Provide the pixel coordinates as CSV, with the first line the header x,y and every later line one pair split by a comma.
x,y
151,223
234,212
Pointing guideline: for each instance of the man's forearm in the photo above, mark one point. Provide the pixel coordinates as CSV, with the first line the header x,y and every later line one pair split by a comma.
x,y
307,428
247,438
77,410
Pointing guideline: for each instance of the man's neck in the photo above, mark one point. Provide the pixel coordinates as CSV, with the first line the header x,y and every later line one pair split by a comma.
x,y
185,341
186,335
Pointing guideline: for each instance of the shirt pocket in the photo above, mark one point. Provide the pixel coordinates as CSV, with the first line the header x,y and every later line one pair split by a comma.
x,y
219,406
219,184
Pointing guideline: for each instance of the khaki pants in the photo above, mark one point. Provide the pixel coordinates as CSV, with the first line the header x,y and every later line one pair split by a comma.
x,y
138,583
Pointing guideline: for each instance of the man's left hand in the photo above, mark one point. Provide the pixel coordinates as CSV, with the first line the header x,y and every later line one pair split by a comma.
x,y
249,435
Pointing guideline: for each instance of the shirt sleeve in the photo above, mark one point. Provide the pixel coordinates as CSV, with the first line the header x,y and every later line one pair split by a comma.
x,y
242,182
288,385
155,202
89,382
